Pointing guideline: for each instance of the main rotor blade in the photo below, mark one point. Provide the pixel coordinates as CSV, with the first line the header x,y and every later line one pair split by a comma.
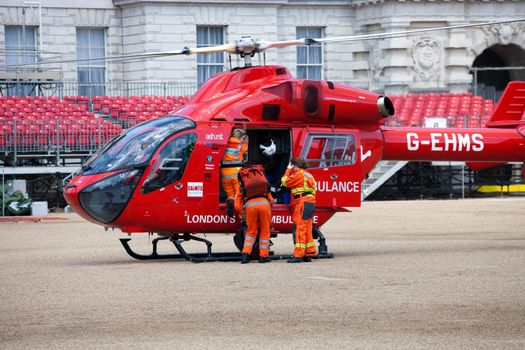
x,y
403,32
264,45
249,46
231,48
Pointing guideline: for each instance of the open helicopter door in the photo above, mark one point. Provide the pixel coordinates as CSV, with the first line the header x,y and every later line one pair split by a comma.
x,y
334,162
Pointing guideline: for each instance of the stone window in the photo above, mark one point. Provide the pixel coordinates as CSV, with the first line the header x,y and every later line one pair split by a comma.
x,y
309,58
211,63
20,48
20,45
91,75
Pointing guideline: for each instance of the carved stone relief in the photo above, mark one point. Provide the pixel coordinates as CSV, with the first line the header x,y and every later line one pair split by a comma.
x,y
426,54
377,66
504,32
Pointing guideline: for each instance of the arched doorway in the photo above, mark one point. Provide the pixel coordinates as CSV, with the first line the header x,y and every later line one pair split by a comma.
x,y
491,83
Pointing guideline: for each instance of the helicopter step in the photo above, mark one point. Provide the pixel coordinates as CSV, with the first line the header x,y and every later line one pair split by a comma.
x,y
178,240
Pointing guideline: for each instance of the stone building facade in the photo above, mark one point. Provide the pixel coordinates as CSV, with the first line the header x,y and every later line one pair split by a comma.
x,y
438,60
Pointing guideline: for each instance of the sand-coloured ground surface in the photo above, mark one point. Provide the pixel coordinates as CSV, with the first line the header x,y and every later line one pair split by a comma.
x,y
407,275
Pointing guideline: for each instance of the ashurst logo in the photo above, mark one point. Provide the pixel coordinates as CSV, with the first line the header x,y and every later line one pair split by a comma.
x,y
214,137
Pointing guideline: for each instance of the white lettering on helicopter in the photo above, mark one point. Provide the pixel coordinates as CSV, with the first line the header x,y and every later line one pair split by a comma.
x,y
214,137
287,219
366,154
454,142
224,219
337,99
338,186
209,219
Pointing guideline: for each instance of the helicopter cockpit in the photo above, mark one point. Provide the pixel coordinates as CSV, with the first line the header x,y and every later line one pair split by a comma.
x,y
136,146
126,157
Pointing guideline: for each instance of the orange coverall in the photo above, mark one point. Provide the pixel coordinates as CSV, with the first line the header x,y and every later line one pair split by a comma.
x,y
233,154
258,215
302,185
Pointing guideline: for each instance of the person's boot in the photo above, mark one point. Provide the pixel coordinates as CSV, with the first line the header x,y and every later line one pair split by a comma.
x,y
264,260
229,203
245,258
307,259
295,260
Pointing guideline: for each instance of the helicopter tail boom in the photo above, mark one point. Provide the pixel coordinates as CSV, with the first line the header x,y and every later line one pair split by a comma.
x,y
448,144
501,141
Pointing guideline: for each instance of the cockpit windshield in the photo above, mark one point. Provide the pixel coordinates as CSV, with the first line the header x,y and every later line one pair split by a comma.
x,y
136,146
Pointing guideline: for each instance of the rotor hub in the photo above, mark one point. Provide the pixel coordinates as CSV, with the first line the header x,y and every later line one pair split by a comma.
x,y
247,46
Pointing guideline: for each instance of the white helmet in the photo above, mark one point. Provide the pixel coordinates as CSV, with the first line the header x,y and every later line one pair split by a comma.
x,y
269,150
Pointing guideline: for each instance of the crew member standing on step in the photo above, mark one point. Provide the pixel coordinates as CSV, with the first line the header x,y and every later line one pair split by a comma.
x,y
302,185
253,202
234,156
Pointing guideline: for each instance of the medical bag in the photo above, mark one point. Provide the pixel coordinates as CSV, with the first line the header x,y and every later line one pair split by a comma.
x,y
253,182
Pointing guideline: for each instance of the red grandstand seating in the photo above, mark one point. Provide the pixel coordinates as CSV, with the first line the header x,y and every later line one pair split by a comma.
x,y
412,109
39,122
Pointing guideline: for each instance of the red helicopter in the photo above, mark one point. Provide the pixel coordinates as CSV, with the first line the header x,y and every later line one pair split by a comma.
x,y
162,176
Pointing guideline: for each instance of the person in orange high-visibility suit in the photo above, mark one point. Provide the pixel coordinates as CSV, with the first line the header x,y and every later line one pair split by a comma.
x,y
302,186
236,150
258,215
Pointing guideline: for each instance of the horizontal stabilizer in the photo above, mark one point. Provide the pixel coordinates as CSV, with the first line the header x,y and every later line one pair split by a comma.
x,y
477,166
510,111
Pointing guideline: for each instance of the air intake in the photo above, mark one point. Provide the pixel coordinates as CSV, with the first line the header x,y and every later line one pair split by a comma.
x,y
311,95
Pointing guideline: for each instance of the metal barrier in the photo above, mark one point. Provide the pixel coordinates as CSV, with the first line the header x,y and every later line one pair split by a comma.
x,y
174,88
72,88
55,137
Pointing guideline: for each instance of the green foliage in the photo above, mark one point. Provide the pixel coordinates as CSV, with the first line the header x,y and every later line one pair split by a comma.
x,y
17,203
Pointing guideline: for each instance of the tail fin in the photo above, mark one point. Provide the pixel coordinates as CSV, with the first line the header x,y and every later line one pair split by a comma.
x,y
510,111
509,114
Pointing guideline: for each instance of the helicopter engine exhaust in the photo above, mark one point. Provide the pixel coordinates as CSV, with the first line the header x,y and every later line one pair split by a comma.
x,y
325,102
386,107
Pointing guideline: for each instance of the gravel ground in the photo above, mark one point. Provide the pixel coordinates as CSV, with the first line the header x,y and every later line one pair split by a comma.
x,y
406,275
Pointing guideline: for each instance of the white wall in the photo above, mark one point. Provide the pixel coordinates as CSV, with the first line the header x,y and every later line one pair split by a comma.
x,y
135,26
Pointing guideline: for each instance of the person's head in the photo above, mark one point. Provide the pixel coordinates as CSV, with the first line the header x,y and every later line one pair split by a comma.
x,y
299,162
238,133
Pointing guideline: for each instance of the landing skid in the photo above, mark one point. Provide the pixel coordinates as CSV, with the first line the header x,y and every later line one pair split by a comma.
x,y
178,240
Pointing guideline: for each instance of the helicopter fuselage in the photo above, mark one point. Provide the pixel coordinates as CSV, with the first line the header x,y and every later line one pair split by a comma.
x,y
163,175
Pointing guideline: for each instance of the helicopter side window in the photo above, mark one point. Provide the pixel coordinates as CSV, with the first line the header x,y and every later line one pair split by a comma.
x,y
330,150
170,164
315,151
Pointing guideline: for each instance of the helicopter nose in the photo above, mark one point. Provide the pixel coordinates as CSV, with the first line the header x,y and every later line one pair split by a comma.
x,y
105,198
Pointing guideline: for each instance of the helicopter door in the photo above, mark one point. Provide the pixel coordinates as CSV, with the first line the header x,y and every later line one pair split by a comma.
x,y
333,162
157,192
